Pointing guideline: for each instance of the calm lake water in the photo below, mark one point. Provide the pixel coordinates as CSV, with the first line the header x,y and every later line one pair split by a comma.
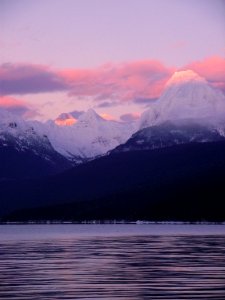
x,y
112,262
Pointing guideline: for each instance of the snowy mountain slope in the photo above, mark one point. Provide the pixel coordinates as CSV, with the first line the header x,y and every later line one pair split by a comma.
x,y
80,136
186,96
189,111
24,152
15,131
169,134
88,137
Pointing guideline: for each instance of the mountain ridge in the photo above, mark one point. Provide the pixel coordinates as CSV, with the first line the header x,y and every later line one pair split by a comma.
x,y
177,117
155,184
187,96
169,134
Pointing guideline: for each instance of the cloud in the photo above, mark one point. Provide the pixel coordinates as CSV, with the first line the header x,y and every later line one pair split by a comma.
x,y
76,113
17,107
129,117
107,117
68,119
23,79
119,82
106,104
13,105
109,85
212,69
145,101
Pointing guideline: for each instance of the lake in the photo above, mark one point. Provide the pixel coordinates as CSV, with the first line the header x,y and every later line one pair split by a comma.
x,y
118,261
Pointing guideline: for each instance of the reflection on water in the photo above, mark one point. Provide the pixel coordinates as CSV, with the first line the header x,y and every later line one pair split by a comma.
x,y
113,267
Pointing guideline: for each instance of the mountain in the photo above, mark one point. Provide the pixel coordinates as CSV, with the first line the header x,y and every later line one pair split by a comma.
x,y
24,153
77,140
65,119
183,182
188,111
169,134
81,136
186,96
178,172
87,137
69,118
32,148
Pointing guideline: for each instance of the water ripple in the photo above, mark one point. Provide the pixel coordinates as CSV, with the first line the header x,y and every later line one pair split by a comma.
x,y
118,267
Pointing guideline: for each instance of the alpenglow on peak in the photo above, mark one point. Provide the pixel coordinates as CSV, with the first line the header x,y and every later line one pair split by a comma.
x,y
185,76
186,96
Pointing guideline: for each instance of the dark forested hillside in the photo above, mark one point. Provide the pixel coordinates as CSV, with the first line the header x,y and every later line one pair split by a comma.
x,y
185,182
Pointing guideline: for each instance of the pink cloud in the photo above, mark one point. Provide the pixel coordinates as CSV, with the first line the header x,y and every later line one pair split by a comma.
x,y
124,82
107,117
65,122
139,82
7,102
121,82
17,106
212,69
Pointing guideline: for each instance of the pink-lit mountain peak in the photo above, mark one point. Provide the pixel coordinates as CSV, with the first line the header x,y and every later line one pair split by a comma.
x,y
182,77
187,96
89,117
65,119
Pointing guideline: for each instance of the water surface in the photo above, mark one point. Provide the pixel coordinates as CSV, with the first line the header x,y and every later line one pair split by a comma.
x,y
112,262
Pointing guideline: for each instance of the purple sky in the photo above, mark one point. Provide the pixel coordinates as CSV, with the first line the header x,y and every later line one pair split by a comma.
x,y
63,55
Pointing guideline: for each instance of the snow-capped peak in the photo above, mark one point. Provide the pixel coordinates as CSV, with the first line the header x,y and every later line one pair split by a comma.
x,y
186,96
90,116
65,119
182,77
90,136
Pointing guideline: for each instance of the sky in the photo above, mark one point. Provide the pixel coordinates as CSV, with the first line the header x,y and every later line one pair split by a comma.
x,y
114,56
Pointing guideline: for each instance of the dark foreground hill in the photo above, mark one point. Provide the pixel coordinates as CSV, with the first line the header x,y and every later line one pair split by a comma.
x,y
25,164
185,182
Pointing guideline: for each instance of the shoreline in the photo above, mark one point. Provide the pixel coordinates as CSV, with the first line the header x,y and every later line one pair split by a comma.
x,y
113,222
